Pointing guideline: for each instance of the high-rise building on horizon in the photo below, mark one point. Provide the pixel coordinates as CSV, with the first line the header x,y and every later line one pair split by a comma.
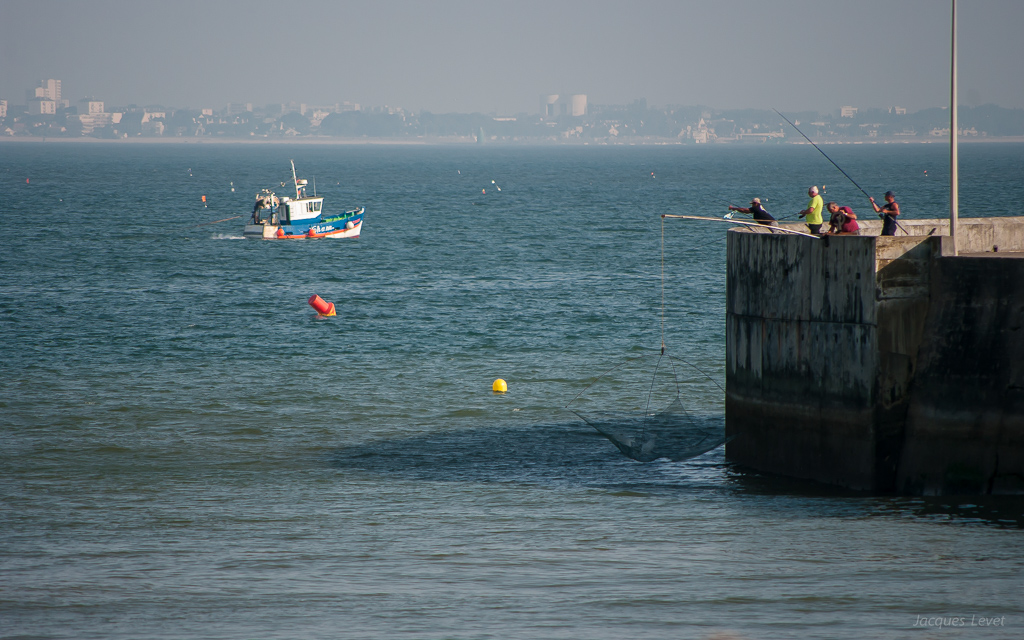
x,y
47,89
554,105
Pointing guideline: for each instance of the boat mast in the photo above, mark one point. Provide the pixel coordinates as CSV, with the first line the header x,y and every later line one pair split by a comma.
x,y
295,179
953,205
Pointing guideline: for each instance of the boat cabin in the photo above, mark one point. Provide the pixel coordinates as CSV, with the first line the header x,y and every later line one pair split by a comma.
x,y
292,211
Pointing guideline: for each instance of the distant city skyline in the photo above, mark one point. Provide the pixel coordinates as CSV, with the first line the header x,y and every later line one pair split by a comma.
x,y
455,56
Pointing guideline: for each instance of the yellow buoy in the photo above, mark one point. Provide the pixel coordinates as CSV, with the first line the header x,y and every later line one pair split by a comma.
x,y
499,386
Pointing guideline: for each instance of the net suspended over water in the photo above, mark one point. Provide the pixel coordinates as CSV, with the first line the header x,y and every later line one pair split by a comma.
x,y
655,407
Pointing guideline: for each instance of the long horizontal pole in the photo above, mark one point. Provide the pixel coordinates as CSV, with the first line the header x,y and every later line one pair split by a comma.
x,y
753,225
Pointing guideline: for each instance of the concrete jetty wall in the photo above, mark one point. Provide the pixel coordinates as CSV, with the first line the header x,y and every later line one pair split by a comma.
x,y
965,428
831,343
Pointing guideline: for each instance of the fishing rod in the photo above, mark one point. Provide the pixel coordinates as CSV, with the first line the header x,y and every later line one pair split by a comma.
x,y
822,152
729,215
835,165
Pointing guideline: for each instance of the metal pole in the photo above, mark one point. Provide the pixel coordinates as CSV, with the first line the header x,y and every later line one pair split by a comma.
x,y
953,205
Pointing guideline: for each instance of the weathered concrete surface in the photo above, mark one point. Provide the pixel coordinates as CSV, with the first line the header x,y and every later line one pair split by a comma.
x,y
792,299
974,235
823,345
965,429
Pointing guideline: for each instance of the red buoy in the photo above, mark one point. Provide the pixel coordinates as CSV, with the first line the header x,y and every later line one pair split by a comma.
x,y
322,308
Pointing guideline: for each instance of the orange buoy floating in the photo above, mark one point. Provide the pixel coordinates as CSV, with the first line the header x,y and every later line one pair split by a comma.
x,y
280,232
322,308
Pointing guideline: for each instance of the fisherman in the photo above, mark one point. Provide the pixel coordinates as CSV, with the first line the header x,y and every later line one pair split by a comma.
x,y
812,214
760,214
887,213
843,220
260,203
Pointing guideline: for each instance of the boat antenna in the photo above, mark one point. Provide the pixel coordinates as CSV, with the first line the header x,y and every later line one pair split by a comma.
x,y
295,179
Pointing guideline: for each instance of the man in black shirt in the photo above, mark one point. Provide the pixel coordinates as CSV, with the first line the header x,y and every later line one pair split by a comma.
x,y
760,214
888,212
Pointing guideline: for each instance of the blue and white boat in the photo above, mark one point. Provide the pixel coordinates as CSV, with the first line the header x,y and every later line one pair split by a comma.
x,y
301,217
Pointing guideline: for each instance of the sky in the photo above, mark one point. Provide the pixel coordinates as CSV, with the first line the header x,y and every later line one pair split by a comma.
x,y
466,56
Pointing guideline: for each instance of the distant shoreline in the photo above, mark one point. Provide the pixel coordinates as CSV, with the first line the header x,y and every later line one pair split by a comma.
x,y
467,141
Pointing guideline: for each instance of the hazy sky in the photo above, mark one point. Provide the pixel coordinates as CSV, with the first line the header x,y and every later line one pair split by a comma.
x,y
482,56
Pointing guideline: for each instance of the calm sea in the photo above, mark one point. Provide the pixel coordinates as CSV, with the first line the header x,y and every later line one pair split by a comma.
x,y
187,451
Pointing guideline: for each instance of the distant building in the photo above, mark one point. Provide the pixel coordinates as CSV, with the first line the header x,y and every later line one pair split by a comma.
x,y
237,108
847,112
701,134
900,111
319,113
47,89
87,106
554,105
42,107
3,108
92,116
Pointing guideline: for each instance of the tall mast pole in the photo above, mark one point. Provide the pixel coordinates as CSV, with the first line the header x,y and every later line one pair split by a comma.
x,y
953,205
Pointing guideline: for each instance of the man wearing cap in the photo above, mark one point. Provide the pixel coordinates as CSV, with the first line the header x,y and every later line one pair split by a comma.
x,y
760,214
812,214
887,213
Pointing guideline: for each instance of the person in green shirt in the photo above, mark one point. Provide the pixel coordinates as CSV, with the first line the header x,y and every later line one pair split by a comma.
x,y
812,214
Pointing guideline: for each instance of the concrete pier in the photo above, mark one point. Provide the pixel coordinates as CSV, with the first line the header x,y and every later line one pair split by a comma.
x,y
882,364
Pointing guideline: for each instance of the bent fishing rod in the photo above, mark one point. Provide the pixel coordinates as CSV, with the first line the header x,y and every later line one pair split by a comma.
x,y
835,165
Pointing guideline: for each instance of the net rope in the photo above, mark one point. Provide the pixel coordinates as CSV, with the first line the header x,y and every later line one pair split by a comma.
x,y
618,403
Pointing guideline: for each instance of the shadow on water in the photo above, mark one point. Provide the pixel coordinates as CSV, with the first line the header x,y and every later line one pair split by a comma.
x,y
573,454
556,454
998,511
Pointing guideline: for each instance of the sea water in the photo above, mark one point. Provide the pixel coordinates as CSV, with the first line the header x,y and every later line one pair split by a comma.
x,y
187,450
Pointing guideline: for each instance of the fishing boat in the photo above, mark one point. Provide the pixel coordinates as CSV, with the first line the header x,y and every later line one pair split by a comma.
x,y
288,218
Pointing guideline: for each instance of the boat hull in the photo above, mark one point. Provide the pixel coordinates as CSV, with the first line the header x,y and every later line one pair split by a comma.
x,y
348,225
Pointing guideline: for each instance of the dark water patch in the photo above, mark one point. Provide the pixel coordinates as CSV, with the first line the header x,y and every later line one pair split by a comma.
x,y
1006,512
544,453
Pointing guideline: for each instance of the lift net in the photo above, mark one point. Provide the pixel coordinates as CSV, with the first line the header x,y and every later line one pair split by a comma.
x,y
655,407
